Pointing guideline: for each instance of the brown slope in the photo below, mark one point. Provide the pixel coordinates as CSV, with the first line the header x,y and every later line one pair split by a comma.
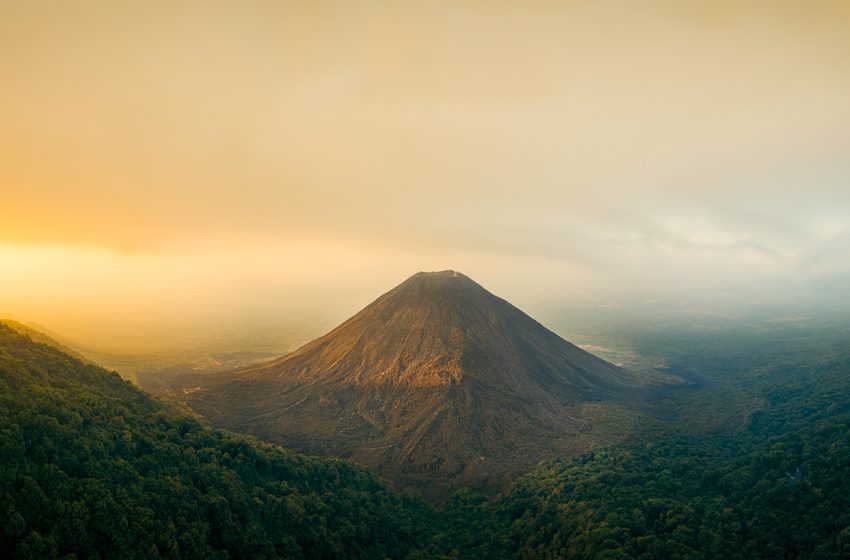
x,y
437,384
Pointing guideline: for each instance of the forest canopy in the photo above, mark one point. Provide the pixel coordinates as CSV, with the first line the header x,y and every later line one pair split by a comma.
x,y
93,467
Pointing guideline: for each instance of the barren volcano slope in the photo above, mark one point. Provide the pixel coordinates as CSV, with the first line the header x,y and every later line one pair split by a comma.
x,y
437,384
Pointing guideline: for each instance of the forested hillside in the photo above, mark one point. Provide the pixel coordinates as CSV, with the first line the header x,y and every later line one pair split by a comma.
x,y
92,467
31,330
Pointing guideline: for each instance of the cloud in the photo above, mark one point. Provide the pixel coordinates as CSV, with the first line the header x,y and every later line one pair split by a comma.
x,y
674,146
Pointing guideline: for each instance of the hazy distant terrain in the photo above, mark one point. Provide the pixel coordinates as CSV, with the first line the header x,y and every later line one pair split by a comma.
x,y
173,350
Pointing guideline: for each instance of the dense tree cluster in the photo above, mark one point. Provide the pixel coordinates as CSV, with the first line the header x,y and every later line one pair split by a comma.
x,y
779,489
690,499
92,467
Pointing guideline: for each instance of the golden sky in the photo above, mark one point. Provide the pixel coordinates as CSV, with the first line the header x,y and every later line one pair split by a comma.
x,y
165,158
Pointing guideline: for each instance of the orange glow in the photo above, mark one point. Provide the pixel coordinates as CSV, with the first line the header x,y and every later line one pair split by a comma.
x,y
181,160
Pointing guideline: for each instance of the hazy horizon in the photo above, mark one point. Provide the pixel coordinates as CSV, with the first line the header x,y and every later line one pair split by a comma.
x,y
205,167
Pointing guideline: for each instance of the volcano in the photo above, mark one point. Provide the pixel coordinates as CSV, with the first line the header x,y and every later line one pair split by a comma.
x,y
436,385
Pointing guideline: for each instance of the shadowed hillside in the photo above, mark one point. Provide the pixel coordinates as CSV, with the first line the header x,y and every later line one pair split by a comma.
x,y
92,467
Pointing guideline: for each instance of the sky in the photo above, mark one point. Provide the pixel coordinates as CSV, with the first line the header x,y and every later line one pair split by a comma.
x,y
205,163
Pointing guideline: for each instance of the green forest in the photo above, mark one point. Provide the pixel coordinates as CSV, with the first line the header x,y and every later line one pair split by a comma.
x,y
92,467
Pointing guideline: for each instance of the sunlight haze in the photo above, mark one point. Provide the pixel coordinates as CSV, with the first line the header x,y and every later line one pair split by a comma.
x,y
198,163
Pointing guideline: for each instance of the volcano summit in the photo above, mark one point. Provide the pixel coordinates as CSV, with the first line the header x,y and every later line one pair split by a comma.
x,y
437,384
